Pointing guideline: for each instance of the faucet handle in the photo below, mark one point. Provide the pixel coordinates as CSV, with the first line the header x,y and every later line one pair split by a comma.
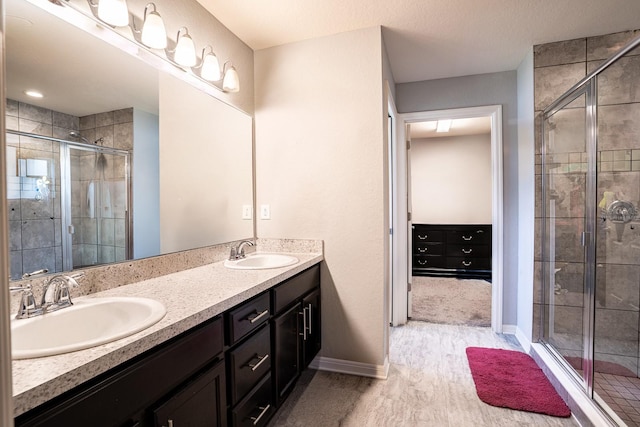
x,y
232,254
27,304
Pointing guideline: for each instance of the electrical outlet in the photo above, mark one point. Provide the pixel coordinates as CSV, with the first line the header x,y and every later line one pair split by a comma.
x,y
265,212
247,212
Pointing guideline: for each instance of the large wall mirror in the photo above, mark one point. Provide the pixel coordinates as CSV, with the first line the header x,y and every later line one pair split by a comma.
x,y
117,160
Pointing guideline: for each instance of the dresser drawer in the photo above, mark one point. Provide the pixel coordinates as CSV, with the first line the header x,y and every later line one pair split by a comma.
x,y
463,263
257,408
249,362
425,235
294,288
247,317
469,251
429,249
423,261
469,236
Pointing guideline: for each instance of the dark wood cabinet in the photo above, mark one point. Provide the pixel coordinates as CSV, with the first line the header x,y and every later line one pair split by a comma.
x,y
286,348
452,250
312,334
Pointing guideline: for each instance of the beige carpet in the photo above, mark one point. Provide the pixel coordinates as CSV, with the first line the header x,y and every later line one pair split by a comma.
x,y
451,301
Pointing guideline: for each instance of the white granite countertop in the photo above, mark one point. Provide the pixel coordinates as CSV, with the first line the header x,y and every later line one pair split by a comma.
x,y
190,297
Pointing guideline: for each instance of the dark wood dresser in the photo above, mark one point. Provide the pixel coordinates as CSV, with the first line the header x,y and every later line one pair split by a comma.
x,y
452,250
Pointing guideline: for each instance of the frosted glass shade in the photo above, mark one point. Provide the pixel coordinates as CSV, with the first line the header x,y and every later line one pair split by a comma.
x,y
114,12
210,68
154,33
231,82
185,53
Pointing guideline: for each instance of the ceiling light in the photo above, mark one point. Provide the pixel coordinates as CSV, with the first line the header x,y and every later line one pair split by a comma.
x,y
231,82
154,33
113,12
210,68
443,126
185,53
33,93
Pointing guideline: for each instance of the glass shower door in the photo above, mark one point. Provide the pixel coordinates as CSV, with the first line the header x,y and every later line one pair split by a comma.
x,y
565,267
98,213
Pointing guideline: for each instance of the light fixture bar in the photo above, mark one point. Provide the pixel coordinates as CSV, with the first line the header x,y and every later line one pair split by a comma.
x,y
443,125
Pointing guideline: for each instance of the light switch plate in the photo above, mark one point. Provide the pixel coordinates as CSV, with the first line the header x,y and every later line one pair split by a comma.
x,y
247,212
265,212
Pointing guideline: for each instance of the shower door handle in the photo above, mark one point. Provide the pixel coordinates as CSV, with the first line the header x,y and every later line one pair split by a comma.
x,y
584,238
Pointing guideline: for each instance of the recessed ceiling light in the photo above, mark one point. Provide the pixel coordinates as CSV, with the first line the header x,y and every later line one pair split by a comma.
x,y
34,94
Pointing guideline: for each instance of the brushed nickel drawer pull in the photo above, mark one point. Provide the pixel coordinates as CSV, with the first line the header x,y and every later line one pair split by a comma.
x,y
422,237
309,326
264,410
467,251
466,263
423,250
303,313
257,365
258,316
467,238
421,262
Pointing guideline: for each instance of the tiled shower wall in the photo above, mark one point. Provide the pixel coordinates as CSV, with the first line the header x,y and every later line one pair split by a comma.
x,y
557,67
35,228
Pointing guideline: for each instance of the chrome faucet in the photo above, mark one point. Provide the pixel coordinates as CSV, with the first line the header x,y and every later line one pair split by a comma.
x,y
55,295
238,251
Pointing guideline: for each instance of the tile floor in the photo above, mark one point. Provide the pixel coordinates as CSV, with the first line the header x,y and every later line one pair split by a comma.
x,y
622,394
429,384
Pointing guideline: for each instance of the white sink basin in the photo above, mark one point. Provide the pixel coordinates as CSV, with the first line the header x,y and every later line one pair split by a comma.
x,y
261,261
87,323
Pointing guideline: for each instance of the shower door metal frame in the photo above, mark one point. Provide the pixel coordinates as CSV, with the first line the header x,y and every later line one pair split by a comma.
x,y
588,88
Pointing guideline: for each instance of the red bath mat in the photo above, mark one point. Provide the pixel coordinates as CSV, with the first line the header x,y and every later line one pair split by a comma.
x,y
511,379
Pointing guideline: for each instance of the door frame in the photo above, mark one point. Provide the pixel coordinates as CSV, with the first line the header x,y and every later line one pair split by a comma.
x,y
497,209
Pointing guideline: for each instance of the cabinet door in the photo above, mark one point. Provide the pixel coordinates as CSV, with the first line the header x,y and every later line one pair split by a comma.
x,y
202,402
311,334
286,351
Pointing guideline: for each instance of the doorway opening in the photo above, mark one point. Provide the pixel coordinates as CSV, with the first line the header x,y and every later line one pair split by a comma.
x,y
402,299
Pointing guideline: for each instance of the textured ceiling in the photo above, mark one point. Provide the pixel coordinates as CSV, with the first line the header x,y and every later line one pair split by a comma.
x,y
430,39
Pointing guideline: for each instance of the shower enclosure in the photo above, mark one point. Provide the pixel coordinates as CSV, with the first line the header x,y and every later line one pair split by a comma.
x,y
591,233
68,203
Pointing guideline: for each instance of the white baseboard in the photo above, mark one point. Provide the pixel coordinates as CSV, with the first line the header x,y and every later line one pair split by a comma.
x,y
524,341
509,329
353,368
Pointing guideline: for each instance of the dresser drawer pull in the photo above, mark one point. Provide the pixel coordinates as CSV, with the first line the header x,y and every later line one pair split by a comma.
x,y
264,410
466,263
422,262
257,316
467,251
467,238
423,250
421,237
261,361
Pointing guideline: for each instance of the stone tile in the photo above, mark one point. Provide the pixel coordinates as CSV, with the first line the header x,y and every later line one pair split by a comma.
x,y
15,260
107,231
106,254
36,259
15,235
88,122
12,108
65,121
559,53
39,128
15,210
551,82
618,84
38,233
603,47
567,127
104,119
618,127
123,116
123,136
616,332
33,209
12,123
35,113
106,133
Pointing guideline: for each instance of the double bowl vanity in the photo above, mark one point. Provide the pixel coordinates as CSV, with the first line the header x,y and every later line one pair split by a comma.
x,y
221,344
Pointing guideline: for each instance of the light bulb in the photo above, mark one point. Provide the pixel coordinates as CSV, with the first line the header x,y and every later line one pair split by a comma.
x,y
154,33
210,68
185,53
231,82
114,12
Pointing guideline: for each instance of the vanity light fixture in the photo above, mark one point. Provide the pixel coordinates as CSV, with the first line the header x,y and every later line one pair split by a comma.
x,y
231,81
185,52
113,12
154,34
443,126
210,66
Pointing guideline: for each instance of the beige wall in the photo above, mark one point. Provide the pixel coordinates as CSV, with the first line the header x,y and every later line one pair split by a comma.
x,y
205,169
320,161
451,180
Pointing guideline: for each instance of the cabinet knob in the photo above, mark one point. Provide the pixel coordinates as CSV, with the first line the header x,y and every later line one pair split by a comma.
x,y
466,263
467,238
467,251
421,237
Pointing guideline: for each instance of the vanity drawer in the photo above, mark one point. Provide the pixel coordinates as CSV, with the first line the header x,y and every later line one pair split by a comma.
x,y
423,261
424,235
249,362
257,408
469,235
248,317
292,289
469,251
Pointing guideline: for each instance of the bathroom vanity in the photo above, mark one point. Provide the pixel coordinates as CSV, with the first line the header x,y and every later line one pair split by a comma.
x,y
227,353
